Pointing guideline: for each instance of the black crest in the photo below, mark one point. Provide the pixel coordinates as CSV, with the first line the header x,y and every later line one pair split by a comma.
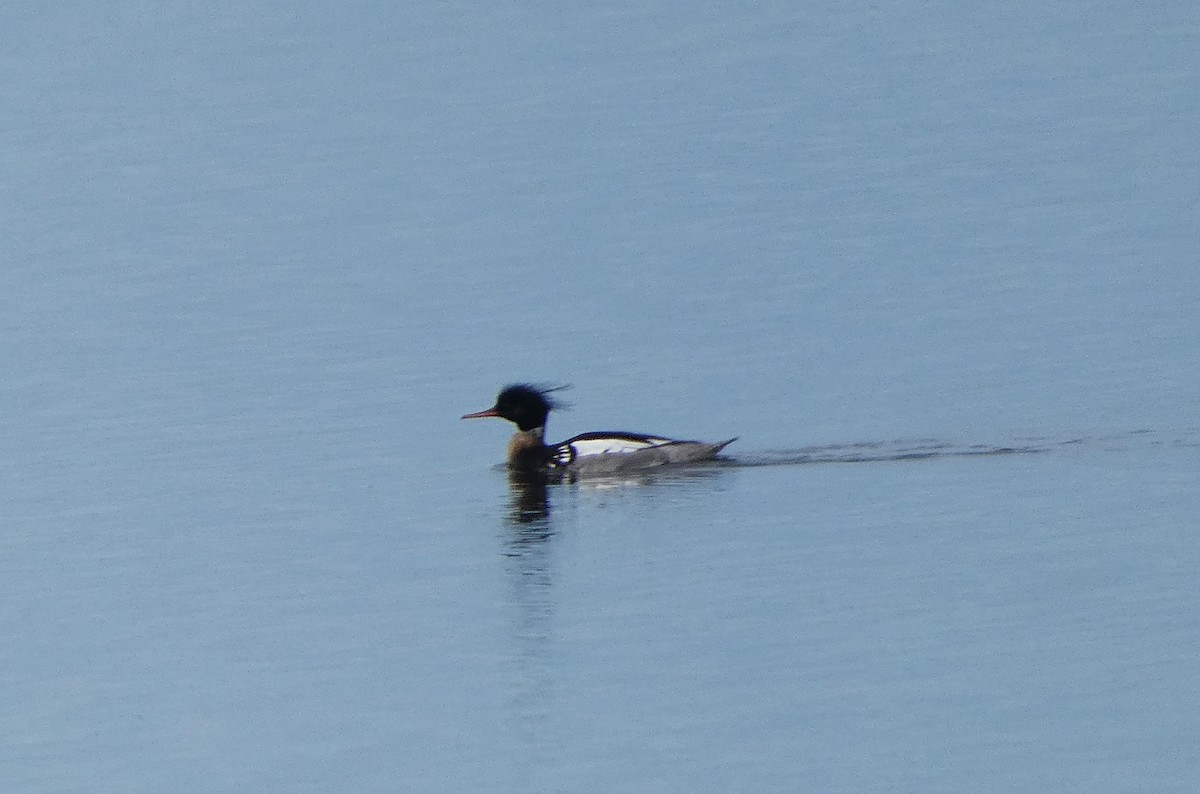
x,y
527,405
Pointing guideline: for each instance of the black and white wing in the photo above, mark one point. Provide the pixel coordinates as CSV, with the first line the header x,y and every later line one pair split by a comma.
x,y
603,443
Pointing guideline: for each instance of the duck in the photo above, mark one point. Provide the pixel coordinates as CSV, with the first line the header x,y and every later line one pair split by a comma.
x,y
588,454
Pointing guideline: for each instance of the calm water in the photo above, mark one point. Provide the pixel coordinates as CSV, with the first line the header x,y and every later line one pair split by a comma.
x,y
935,266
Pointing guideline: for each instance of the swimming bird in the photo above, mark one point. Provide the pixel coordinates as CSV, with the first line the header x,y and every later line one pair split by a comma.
x,y
588,454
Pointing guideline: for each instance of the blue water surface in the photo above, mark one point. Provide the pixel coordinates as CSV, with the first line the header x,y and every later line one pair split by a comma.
x,y
934,265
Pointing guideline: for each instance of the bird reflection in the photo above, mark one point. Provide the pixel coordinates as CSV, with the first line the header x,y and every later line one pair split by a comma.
x,y
530,563
527,550
529,500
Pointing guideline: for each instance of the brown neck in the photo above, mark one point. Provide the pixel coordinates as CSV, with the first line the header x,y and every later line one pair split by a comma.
x,y
524,446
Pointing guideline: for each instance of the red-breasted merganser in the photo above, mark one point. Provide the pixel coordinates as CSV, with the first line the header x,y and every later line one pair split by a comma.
x,y
603,453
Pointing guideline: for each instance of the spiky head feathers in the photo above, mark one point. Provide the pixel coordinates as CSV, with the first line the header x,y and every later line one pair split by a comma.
x,y
527,405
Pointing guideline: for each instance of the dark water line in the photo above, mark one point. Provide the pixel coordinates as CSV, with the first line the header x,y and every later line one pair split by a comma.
x,y
903,450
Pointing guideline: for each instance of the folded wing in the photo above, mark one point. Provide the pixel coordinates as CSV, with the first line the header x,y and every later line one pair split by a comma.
x,y
610,452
